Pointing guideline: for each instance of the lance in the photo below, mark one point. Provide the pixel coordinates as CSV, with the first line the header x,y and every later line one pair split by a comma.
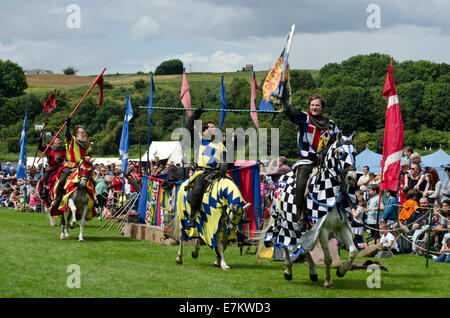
x,y
71,114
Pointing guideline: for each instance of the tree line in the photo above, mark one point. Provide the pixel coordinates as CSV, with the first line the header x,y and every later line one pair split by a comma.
x,y
352,89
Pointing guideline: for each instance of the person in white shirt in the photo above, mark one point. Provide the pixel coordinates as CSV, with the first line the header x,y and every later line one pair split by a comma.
x,y
387,239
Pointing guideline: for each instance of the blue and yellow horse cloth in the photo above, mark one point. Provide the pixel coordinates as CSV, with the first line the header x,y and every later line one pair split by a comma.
x,y
212,223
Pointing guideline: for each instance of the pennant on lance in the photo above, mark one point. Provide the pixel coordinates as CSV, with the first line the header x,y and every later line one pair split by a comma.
x,y
272,90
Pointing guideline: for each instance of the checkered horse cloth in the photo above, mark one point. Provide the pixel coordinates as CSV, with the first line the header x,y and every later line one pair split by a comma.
x,y
324,190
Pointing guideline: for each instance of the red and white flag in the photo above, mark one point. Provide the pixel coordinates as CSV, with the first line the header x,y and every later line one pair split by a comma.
x,y
254,114
393,135
185,96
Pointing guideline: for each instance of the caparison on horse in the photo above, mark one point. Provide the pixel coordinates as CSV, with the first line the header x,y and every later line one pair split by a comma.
x,y
330,194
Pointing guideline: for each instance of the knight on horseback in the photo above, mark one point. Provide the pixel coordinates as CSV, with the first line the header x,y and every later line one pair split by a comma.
x,y
211,162
77,147
55,159
315,134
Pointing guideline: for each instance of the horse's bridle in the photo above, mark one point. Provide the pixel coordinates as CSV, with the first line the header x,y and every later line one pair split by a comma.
x,y
344,170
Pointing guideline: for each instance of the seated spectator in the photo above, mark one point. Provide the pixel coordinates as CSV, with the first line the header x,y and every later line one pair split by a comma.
x,y
387,240
405,168
387,243
439,226
434,185
417,218
409,206
415,180
445,190
445,249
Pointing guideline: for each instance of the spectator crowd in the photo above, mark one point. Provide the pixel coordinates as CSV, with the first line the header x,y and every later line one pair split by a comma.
x,y
408,220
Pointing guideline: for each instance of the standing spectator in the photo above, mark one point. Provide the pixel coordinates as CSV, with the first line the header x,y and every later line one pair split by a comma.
x,y
101,191
408,151
372,212
364,179
390,214
434,185
117,182
369,184
405,168
445,190
35,202
358,219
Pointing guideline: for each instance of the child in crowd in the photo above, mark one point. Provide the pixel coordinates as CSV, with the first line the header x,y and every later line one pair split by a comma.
x,y
387,239
358,219
445,250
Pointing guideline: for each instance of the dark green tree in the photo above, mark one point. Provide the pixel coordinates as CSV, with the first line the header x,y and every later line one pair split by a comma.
x,y
12,79
170,67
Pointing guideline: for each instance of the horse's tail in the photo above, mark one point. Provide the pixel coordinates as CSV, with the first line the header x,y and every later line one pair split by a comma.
x,y
175,225
261,234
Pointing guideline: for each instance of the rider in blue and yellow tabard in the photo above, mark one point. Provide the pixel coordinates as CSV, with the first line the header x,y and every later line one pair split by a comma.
x,y
211,161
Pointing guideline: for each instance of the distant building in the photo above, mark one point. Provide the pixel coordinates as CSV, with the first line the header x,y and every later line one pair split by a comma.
x,y
248,67
37,71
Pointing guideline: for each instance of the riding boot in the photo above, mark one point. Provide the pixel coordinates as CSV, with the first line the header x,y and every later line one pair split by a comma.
x,y
196,197
302,176
59,192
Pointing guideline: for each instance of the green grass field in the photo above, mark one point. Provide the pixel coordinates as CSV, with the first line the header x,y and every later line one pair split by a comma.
x,y
34,264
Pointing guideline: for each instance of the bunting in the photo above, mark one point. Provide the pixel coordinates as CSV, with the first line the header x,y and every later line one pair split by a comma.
x,y
254,115
185,96
124,139
223,104
22,164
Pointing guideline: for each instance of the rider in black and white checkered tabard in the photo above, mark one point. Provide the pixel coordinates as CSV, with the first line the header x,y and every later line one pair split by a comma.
x,y
324,190
315,134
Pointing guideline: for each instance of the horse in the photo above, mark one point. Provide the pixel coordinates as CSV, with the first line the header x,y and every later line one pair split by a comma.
x,y
216,223
329,195
78,200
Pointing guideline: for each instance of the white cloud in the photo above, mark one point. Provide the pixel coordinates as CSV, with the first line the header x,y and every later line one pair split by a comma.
x,y
146,28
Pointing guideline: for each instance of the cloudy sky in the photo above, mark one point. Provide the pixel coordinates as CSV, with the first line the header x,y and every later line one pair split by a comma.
x,y
127,36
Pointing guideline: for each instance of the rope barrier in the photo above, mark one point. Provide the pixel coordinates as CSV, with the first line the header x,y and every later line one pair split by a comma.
x,y
213,109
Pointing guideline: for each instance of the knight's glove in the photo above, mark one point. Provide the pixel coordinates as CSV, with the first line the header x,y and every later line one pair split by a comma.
x,y
222,170
198,112
68,119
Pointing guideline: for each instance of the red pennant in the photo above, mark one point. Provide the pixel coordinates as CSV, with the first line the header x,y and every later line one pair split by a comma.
x,y
99,82
50,102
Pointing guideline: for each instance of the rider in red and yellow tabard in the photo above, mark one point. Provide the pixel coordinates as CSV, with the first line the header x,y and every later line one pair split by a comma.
x,y
77,147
